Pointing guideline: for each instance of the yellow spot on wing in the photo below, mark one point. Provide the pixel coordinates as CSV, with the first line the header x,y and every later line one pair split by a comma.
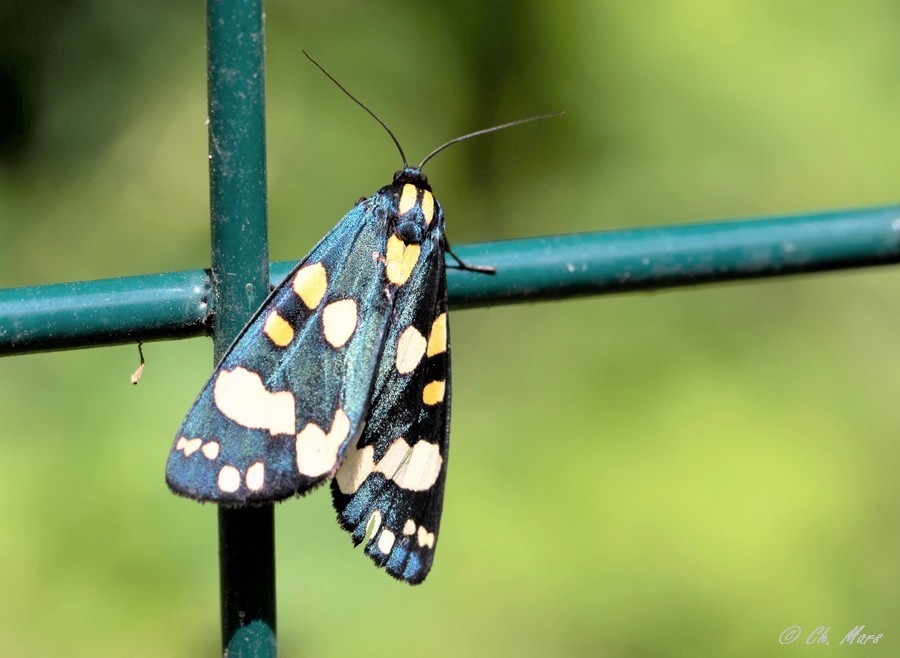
x,y
410,350
278,329
310,284
242,397
316,451
400,260
256,476
433,393
427,206
386,541
407,198
339,321
437,339
229,479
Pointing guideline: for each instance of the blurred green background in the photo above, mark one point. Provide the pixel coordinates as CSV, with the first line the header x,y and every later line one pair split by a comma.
x,y
679,474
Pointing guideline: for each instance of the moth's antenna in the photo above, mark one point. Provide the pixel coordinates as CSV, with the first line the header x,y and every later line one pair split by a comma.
x,y
359,102
485,131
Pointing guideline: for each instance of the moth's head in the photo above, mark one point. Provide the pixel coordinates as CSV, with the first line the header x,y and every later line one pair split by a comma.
x,y
413,176
416,207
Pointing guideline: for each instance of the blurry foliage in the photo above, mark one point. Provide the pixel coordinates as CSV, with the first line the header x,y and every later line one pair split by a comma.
x,y
683,473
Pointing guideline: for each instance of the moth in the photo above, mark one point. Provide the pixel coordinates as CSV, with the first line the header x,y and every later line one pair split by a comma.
x,y
343,374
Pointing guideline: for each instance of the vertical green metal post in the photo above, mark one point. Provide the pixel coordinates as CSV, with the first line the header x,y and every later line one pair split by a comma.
x,y
240,275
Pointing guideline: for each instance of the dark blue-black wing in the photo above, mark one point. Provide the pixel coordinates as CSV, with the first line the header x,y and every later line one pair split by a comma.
x,y
293,390
390,487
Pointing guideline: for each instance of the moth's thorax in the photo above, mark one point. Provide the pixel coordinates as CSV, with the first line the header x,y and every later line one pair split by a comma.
x,y
416,207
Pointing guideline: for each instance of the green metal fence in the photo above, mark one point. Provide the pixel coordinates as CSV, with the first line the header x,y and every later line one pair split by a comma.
x,y
218,301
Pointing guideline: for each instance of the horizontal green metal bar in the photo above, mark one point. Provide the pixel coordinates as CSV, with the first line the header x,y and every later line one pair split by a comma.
x,y
655,258
176,305
105,312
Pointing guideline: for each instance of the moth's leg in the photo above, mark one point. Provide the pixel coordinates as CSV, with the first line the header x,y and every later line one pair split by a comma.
x,y
462,265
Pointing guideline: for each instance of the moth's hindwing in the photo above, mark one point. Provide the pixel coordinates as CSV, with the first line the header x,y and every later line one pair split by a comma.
x,y
293,390
390,487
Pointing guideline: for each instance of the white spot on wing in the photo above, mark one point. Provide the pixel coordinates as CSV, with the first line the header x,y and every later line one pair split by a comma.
x,y
425,538
256,476
410,527
210,450
229,479
339,321
410,350
241,396
316,451
413,468
191,447
386,541
356,468
188,446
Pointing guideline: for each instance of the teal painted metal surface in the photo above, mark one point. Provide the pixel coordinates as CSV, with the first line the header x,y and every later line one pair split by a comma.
x,y
672,256
174,305
237,152
240,282
105,312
